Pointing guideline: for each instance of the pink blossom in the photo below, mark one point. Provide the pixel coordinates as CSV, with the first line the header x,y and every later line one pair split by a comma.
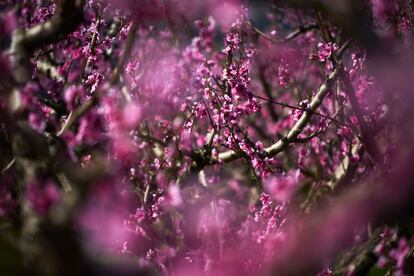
x,y
282,187
42,197
325,51
131,115
182,135
8,22
73,94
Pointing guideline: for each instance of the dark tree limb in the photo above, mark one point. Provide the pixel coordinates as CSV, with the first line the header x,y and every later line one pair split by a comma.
x,y
68,16
365,130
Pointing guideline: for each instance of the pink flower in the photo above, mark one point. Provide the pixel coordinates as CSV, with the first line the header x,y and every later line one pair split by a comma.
x,y
225,12
132,67
37,121
42,197
131,115
73,94
8,22
103,225
325,51
282,187
283,75
174,196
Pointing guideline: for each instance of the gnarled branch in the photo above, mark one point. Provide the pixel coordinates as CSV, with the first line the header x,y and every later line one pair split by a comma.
x,y
68,16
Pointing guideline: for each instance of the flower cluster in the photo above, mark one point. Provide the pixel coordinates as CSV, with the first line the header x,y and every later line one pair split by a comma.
x,y
203,137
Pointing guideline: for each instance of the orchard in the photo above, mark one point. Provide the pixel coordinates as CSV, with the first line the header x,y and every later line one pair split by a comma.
x,y
189,137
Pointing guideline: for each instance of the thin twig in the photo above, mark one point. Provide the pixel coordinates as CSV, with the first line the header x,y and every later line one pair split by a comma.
x,y
9,166
268,91
283,104
77,113
289,37
127,52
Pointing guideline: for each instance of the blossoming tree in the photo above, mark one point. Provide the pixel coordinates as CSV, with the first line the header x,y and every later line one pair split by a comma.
x,y
187,137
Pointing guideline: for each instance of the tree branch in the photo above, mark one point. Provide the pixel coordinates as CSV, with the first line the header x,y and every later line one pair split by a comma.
x,y
68,16
91,102
365,130
293,133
